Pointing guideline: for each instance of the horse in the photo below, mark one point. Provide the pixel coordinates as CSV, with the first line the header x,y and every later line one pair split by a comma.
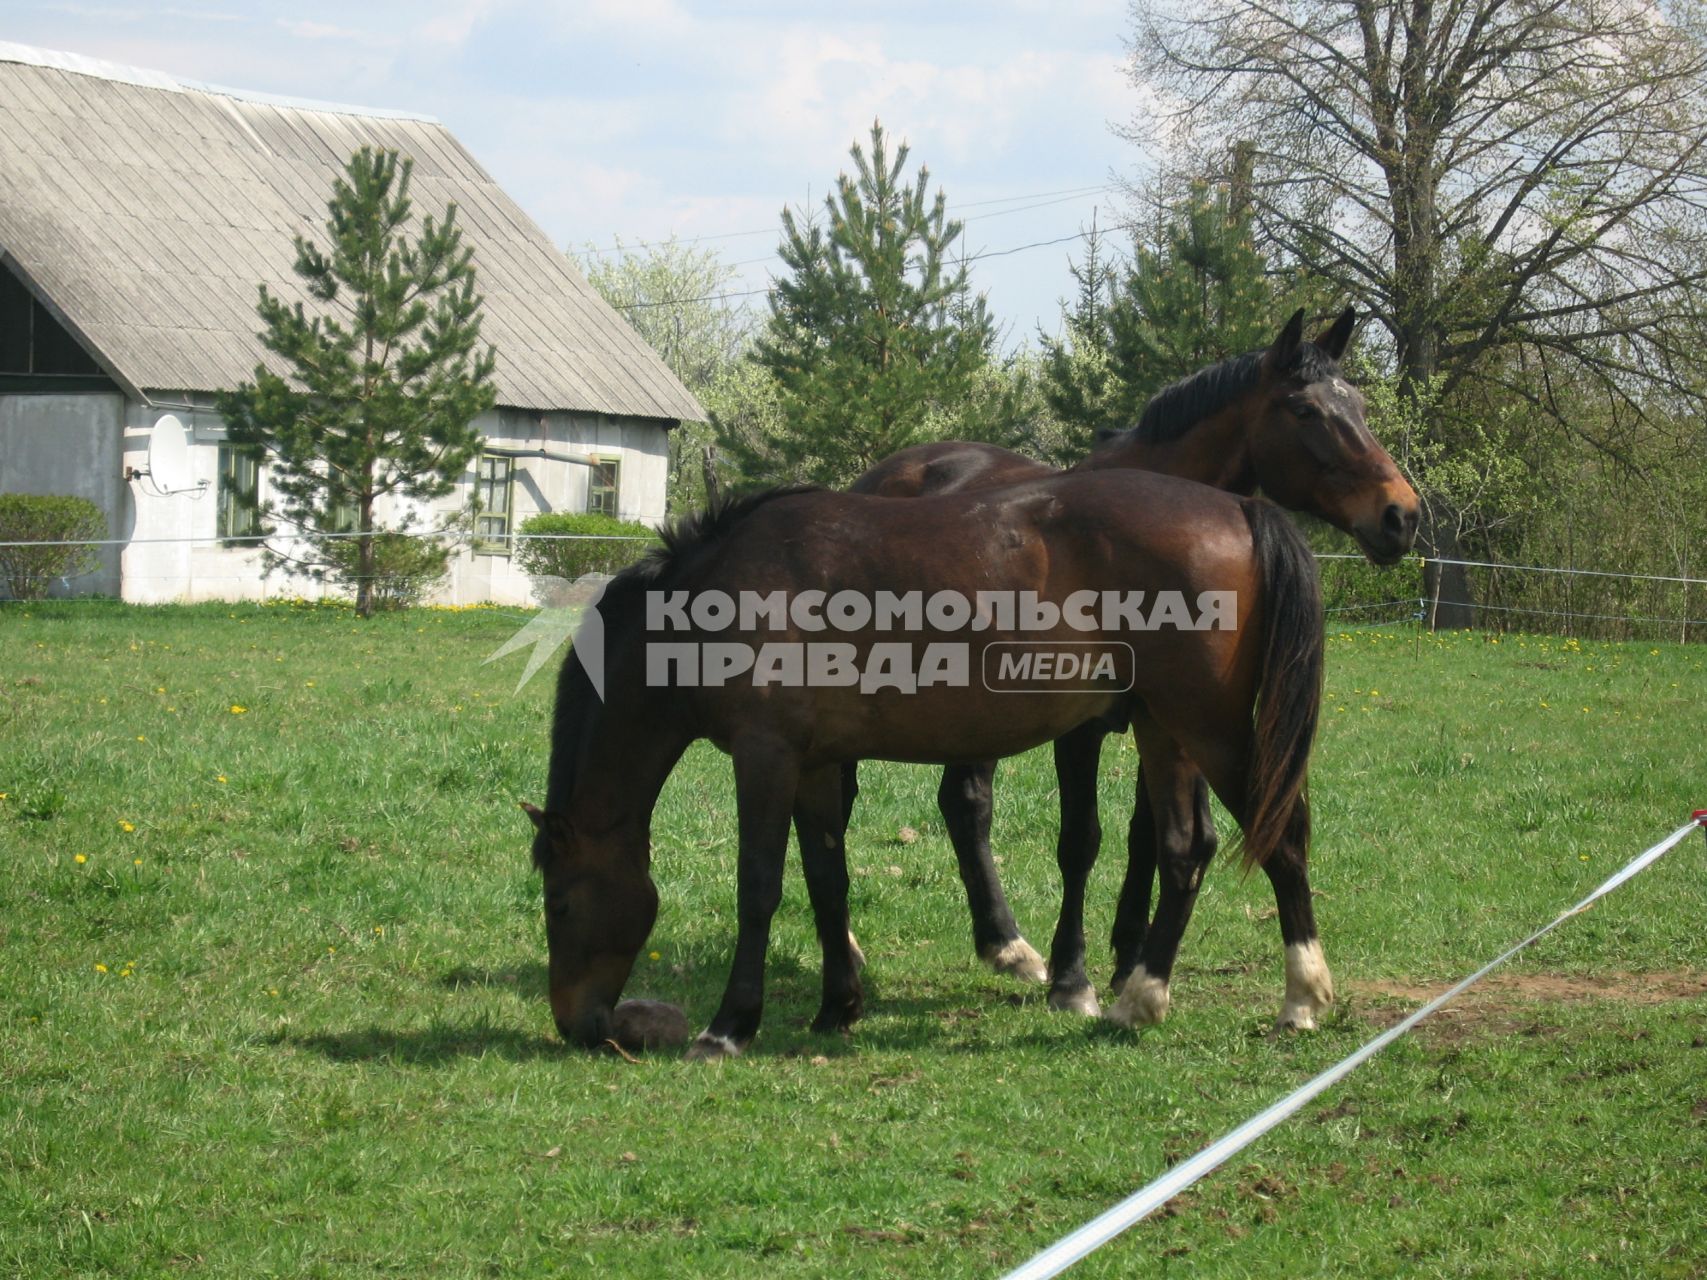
x,y
1238,693
1282,420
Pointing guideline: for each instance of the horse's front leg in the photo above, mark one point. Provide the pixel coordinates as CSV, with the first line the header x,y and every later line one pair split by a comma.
x,y
765,778
966,801
1076,757
1175,789
819,818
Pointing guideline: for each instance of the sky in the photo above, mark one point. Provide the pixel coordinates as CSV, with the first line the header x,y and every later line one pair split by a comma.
x,y
646,119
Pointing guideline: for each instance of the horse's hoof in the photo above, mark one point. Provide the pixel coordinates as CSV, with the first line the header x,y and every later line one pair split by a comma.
x,y
1299,1018
1076,1000
1309,987
1018,959
710,1048
1143,1001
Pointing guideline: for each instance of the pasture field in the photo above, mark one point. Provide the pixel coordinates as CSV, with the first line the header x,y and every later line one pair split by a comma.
x,y
272,987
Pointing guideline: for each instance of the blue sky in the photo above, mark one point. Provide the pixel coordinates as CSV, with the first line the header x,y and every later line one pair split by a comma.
x,y
646,118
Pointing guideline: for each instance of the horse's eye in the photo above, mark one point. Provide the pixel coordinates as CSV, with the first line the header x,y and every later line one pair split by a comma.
x,y
1307,412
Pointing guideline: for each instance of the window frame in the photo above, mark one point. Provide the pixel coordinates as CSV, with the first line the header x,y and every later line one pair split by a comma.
x,y
613,489
485,541
237,513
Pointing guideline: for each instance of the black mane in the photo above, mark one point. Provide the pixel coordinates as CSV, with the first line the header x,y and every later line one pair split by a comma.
x,y
622,606
1178,407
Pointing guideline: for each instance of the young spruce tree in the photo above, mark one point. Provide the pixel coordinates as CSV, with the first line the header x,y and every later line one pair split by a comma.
x,y
380,384
872,330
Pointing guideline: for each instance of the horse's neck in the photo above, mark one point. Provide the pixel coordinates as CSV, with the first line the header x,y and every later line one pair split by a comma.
x,y
1213,451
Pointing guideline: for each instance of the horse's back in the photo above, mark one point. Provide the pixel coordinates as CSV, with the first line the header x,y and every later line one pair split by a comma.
x,y
947,466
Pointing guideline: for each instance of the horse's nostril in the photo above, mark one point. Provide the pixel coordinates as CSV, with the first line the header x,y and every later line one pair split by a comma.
x,y
1396,522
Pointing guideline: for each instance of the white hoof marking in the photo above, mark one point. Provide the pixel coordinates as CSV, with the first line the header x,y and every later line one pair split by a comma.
x,y
1018,959
1083,1000
1143,1001
710,1048
1309,986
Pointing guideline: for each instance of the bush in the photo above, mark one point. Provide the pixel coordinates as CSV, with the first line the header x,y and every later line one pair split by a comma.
x,y
405,567
27,517
602,544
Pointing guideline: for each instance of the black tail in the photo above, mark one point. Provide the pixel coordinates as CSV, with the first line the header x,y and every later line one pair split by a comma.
x,y
1289,684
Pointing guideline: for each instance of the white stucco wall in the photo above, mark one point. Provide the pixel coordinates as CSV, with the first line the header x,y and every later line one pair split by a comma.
x,y
68,443
159,571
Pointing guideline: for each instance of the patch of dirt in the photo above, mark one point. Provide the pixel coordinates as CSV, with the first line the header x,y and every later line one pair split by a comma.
x,y
1516,1003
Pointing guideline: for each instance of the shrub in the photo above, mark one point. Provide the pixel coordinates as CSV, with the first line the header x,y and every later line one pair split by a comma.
x,y
603,544
28,517
405,567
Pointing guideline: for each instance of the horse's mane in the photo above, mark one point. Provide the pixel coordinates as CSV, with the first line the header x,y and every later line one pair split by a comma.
x,y
1181,405
621,606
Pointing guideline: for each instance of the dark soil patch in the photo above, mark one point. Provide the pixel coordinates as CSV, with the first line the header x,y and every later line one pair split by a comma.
x,y
1517,1003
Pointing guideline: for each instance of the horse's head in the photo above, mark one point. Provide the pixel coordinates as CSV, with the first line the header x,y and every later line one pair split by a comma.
x,y
599,908
1313,451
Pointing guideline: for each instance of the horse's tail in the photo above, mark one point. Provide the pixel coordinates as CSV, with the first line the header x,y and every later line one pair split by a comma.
x,y
1289,684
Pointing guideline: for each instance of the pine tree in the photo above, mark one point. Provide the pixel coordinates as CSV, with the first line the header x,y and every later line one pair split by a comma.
x,y
1201,295
381,383
871,331
1079,383
1196,295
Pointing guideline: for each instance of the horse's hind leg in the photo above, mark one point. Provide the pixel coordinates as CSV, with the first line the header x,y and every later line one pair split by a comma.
x,y
1076,757
966,802
765,777
1309,985
1132,912
1172,785
819,822
1132,915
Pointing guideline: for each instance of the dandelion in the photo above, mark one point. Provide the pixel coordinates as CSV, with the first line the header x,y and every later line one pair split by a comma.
x,y
100,968
220,778
654,955
136,862
126,827
379,929
141,737
237,710
81,858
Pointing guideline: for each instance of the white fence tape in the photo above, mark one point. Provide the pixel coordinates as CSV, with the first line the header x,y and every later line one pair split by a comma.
x,y
1100,1230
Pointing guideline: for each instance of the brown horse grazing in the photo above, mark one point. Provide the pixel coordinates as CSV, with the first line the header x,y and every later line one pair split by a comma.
x,y
799,678
1282,420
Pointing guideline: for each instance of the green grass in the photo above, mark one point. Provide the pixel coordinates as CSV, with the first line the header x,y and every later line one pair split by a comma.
x,y
320,1045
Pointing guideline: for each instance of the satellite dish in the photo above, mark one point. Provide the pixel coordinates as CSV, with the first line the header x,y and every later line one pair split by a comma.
x,y
169,464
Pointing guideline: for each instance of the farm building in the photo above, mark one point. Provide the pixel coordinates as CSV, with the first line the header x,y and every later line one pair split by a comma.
x,y
138,215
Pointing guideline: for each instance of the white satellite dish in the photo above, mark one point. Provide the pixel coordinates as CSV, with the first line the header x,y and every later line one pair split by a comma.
x,y
169,464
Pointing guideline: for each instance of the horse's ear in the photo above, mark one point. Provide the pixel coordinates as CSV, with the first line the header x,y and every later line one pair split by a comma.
x,y
1337,336
1285,347
535,814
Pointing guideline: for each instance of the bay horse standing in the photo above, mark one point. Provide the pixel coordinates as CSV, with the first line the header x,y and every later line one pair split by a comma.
x,y
1240,700
1282,420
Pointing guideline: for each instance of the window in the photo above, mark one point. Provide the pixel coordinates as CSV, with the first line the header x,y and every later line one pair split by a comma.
x,y
603,485
239,492
492,476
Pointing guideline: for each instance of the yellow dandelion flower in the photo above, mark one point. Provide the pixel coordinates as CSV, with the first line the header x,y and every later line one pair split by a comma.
x,y
654,955
82,857
126,826
220,778
237,710
141,737
100,968
136,862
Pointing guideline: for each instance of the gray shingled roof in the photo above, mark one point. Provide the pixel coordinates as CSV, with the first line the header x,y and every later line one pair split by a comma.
x,y
146,209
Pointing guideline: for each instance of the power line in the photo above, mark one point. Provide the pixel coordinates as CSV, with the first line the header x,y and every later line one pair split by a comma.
x,y
1047,197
